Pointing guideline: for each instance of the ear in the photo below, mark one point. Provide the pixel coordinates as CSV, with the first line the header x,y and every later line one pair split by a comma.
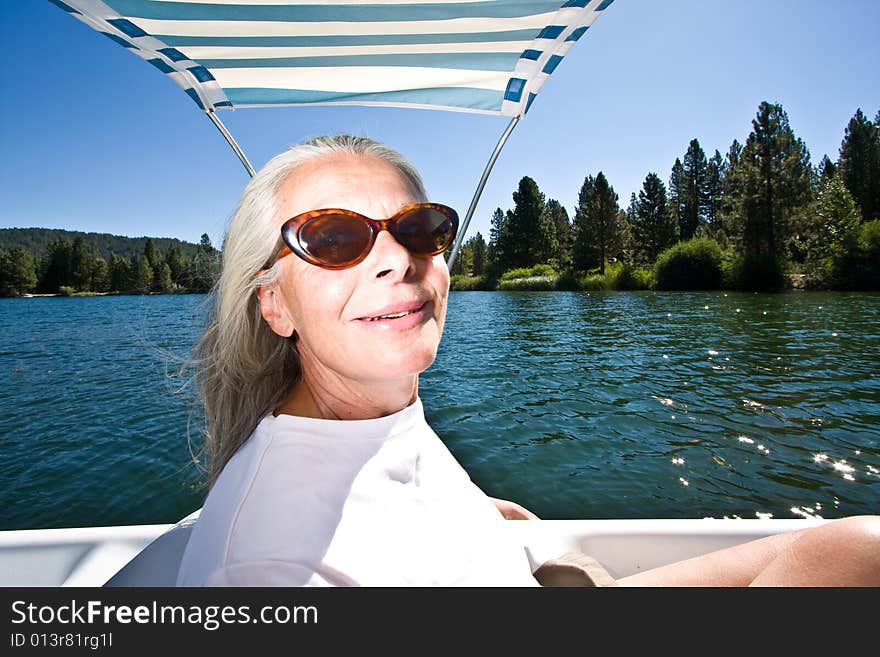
x,y
274,311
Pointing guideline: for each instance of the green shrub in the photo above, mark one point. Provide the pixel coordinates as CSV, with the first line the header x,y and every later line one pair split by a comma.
x,y
529,272
856,265
544,270
66,291
758,273
692,265
869,237
619,276
592,282
461,282
568,282
644,278
520,272
869,248
613,272
531,283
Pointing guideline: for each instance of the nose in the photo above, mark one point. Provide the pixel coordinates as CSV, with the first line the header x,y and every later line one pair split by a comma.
x,y
389,258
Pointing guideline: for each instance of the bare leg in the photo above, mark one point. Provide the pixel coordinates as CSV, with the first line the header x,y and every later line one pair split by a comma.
x,y
841,553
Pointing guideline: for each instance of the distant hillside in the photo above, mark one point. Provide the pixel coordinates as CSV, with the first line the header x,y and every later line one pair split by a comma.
x,y
36,240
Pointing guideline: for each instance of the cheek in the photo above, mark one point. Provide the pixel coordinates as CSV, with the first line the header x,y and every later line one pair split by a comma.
x,y
441,272
439,280
316,301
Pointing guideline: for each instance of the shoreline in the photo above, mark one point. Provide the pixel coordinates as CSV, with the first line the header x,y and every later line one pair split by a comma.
x,y
791,290
99,294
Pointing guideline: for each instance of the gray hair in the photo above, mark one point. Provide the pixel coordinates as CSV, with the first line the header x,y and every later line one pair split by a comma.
x,y
244,369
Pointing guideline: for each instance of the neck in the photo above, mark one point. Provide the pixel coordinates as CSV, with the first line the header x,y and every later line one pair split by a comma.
x,y
329,397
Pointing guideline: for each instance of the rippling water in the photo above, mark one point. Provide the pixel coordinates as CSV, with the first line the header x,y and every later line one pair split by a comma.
x,y
578,405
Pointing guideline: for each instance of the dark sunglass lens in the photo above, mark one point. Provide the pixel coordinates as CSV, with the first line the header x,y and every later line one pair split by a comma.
x,y
335,239
425,231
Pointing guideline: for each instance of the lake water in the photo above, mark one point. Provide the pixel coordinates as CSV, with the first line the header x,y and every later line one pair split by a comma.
x,y
577,405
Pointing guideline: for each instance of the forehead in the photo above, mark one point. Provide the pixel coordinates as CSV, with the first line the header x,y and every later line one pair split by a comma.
x,y
365,184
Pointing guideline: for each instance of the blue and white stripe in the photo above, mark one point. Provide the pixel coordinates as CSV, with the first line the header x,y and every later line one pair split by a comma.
x,y
490,56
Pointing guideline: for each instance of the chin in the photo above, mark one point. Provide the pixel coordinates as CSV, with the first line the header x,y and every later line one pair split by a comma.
x,y
408,365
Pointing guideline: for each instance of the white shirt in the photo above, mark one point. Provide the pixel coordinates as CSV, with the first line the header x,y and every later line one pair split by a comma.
x,y
350,503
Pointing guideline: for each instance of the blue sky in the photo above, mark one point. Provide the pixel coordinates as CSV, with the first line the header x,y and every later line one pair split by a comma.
x,y
95,139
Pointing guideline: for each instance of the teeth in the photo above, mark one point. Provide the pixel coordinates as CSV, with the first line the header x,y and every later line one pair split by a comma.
x,y
394,316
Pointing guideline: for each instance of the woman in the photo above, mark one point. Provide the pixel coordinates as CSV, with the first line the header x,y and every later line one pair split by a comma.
x,y
331,301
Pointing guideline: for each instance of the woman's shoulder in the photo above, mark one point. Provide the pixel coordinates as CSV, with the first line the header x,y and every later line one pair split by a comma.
x,y
279,448
273,501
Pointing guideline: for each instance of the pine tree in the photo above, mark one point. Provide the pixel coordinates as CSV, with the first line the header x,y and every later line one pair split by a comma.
x,y
80,265
731,192
458,267
836,220
558,215
100,273
677,196
768,188
143,277
120,274
166,285
205,244
629,236
653,228
545,246
607,220
55,269
472,257
526,228
464,262
597,224
18,274
618,249
860,164
204,268
24,270
499,249
7,288
479,255
715,171
693,199
152,255
584,253
174,258
733,154
826,171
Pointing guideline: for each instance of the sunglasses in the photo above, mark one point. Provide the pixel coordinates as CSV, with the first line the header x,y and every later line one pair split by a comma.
x,y
337,239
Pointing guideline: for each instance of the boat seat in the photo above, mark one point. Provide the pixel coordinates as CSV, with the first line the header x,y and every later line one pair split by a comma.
x,y
158,563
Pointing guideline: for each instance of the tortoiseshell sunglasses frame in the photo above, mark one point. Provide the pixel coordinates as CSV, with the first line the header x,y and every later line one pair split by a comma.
x,y
290,232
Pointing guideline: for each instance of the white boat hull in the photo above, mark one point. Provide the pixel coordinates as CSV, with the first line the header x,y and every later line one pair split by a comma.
x,y
149,555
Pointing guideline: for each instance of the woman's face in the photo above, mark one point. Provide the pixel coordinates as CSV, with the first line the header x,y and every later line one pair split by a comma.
x,y
334,311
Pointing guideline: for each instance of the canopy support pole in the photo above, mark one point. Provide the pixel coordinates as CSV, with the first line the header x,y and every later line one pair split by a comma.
x,y
231,141
462,229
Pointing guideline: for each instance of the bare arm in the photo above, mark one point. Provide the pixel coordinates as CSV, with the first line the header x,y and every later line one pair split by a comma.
x,y
512,510
841,553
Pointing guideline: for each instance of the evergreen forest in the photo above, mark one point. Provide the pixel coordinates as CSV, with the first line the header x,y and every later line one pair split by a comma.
x,y
51,261
761,217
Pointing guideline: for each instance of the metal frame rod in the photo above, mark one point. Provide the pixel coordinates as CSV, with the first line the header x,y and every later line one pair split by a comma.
x,y
231,141
462,229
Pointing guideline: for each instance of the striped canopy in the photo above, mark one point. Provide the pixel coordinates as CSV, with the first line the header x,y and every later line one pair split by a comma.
x,y
488,56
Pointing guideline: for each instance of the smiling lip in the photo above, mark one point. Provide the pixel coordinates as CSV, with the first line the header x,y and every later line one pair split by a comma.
x,y
398,315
